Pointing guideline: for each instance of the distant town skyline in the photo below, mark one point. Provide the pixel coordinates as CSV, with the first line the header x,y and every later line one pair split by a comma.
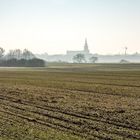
x,y
54,26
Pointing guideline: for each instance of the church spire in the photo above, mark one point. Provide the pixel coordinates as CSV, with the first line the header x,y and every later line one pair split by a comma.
x,y
86,46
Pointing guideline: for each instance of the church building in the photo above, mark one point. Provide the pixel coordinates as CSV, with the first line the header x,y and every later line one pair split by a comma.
x,y
85,51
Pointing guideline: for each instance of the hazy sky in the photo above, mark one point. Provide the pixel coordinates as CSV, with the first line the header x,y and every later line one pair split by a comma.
x,y
54,26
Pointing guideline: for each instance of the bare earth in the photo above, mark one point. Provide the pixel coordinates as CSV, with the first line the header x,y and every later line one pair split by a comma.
x,y
70,102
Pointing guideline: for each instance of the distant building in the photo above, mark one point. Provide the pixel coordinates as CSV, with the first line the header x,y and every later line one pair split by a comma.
x,y
85,51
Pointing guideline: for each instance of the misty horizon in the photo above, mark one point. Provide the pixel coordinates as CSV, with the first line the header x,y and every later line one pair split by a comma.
x,y
57,53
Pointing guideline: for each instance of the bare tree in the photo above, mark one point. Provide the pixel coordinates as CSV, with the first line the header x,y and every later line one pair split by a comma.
x,y
93,59
17,53
10,54
79,58
27,54
1,52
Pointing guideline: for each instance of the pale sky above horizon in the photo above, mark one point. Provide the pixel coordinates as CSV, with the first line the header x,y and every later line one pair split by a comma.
x,y
55,26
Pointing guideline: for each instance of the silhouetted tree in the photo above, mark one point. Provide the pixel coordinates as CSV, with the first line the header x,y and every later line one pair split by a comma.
x,y
79,58
17,53
27,54
10,54
1,52
93,59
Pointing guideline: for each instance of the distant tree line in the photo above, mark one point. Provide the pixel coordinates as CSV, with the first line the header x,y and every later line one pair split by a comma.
x,y
19,58
17,54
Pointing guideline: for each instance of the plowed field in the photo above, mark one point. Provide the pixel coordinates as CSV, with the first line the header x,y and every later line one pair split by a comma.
x,y
70,103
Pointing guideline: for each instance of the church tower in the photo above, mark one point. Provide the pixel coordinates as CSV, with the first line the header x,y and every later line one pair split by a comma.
x,y
86,50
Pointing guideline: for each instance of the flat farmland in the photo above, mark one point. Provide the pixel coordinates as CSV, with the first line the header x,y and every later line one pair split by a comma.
x,y
70,102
